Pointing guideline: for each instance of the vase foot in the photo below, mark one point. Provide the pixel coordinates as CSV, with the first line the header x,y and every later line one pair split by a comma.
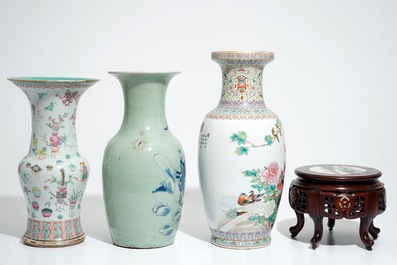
x,y
53,233
235,244
53,244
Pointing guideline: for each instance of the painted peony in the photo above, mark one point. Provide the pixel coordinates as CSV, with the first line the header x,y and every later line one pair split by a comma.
x,y
269,175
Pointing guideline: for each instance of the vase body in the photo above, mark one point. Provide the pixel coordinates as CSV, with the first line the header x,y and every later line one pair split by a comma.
x,y
53,175
143,167
241,156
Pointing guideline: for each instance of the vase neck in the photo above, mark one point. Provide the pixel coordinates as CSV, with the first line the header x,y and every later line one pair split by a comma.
x,y
144,106
54,122
144,100
242,96
242,85
53,101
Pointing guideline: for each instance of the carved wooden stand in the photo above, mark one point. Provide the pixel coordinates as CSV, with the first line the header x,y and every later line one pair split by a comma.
x,y
336,192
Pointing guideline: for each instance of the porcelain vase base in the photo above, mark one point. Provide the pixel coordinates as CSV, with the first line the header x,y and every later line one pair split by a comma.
x,y
53,233
235,244
53,244
140,247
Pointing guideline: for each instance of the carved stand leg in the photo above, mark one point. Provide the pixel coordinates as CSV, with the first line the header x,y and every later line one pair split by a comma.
x,y
366,223
318,231
364,227
331,223
374,231
299,225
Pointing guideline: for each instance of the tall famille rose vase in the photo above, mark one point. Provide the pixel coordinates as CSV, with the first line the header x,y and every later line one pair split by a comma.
x,y
53,175
143,167
241,156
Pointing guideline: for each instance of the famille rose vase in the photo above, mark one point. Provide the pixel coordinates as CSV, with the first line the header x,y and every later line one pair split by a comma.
x,y
53,175
143,167
241,155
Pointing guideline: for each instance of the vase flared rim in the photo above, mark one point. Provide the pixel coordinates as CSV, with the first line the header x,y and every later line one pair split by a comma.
x,y
242,55
53,79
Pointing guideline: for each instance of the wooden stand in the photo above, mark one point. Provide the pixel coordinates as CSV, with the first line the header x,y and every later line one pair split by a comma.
x,y
336,192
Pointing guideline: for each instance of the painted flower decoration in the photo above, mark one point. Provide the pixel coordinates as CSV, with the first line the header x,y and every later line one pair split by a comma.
x,y
273,169
267,181
270,174
268,208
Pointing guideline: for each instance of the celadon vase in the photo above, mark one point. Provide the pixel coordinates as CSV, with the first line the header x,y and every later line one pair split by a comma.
x,y
53,175
143,167
241,156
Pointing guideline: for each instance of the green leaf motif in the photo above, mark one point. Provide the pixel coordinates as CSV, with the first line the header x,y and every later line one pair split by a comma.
x,y
241,151
261,220
232,213
272,218
239,137
257,187
250,173
269,139
253,218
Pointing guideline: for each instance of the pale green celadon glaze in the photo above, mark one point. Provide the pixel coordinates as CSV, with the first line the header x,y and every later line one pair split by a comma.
x,y
143,167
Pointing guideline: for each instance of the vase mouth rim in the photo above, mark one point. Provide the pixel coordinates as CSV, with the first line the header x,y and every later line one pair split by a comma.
x,y
242,55
53,79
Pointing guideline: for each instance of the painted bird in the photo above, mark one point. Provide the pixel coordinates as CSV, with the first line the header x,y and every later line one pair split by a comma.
x,y
245,199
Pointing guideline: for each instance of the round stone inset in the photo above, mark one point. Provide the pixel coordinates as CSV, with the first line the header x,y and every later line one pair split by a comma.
x,y
337,169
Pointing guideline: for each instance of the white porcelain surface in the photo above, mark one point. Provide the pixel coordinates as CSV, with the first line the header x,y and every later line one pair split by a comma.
x,y
53,175
241,156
